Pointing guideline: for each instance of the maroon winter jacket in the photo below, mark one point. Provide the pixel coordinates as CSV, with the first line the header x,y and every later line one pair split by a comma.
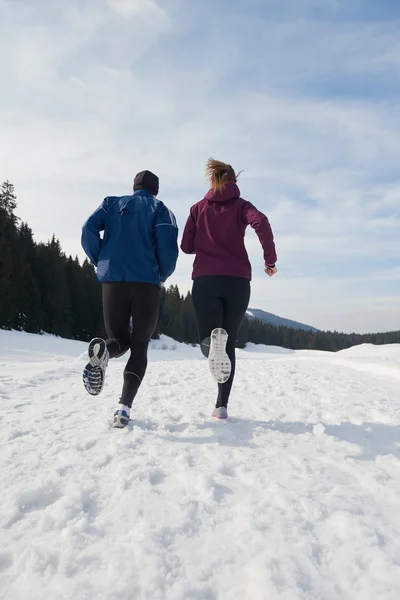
x,y
215,232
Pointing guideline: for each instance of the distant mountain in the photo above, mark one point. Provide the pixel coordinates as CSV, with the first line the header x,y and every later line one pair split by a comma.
x,y
265,317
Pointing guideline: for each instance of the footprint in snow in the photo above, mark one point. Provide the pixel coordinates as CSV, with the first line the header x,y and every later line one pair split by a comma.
x,y
86,446
227,471
175,427
31,500
22,405
39,498
17,434
6,560
156,477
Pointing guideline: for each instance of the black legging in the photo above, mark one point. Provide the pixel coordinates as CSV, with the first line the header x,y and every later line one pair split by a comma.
x,y
121,302
221,301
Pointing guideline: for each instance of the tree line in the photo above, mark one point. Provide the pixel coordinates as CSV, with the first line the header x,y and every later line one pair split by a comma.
x,y
177,320
43,290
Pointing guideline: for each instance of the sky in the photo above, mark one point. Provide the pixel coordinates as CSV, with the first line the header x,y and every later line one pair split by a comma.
x,y
302,95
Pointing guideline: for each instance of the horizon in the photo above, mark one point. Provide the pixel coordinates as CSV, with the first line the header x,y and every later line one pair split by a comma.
x,y
303,99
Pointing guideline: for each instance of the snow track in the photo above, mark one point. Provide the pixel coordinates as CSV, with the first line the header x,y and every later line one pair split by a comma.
x,y
295,497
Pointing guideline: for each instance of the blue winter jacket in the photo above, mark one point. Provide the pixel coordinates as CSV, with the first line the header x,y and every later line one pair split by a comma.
x,y
139,241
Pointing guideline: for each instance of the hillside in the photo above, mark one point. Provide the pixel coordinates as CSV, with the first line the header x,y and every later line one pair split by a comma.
x,y
266,317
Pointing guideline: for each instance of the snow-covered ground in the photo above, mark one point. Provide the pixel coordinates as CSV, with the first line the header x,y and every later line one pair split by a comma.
x,y
295,497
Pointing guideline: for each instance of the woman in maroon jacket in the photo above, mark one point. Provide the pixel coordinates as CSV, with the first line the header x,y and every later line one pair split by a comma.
x,y
215,233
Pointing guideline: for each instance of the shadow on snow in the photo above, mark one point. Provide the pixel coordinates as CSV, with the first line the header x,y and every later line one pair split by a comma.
x,y
373,439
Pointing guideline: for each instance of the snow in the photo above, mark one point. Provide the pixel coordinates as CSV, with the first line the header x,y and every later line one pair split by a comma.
x,y
373,359
294,498
264,350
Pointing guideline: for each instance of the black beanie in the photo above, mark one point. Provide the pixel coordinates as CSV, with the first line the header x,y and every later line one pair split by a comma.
x,y
146,180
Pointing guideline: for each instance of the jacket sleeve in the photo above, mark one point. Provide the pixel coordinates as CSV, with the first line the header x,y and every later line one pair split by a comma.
x,y
259,222
166,237
91,240
187,244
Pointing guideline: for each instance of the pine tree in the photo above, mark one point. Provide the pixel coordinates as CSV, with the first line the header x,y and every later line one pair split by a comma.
x,y
53,284
29,310
75,282
8,257
8,295
169,322
8,200
190,332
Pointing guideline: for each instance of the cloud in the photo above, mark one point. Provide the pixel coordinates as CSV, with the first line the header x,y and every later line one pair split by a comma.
x,y
146,9
302,98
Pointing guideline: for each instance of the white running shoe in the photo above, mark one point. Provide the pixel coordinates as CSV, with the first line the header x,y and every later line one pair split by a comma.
x,y
218,360
220,413
121,419
94,372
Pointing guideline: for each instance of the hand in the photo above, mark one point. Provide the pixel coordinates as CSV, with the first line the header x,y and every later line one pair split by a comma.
x,y
270,271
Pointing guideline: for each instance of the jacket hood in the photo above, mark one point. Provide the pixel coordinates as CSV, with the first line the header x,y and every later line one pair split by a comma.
x,y
129,202
228,192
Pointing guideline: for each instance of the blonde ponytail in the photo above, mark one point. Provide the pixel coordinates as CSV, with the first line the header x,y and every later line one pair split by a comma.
x,y
219,173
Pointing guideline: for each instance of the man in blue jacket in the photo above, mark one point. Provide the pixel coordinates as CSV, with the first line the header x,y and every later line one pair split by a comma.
x,y
135,256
